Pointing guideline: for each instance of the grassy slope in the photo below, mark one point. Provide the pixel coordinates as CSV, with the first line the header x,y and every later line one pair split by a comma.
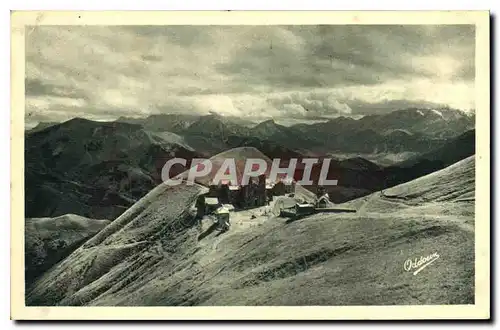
x,y
152,254
49,240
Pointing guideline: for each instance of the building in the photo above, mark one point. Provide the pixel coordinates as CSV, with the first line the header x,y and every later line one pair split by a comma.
x,y
200,206
206,205
279,189
269,189
222,215
223,194
289,185
323,202
234,193
253,194
213,191
211,204
261,191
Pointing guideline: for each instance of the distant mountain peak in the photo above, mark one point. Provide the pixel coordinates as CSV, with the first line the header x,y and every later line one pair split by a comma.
x,y
78,120
269,122
41,126
267,128
341,119
209,120
213,116
359,163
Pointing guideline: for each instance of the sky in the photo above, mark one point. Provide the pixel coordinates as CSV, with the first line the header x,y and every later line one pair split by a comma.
x,y
306,72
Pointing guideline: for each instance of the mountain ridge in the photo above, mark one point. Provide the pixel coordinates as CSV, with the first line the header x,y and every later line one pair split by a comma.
x,y
426,128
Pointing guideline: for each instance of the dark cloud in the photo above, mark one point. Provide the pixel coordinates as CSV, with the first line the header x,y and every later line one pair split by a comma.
x,y
36,87
185,36
363,108
310,105
336,55
290,71
151,58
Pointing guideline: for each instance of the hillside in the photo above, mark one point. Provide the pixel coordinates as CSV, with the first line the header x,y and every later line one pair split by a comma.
x,y
174,123
287,137
41,126
456,149
453,151
438,123
358,177
99,169
177,123
153,254
94,169
49,240
216,126
398,134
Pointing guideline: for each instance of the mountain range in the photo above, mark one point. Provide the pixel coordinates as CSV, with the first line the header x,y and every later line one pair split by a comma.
x,y
151,251
412,130
99,169
417,130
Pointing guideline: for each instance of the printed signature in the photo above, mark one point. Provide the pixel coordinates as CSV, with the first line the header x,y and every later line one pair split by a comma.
x,y
417,264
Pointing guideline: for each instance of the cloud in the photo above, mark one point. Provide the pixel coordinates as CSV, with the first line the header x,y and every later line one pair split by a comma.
x,y
253,71
311,104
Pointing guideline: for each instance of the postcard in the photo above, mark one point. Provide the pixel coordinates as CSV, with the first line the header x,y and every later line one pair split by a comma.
x,y
250,165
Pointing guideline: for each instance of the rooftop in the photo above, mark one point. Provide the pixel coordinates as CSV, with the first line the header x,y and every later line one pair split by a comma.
x,y
211,200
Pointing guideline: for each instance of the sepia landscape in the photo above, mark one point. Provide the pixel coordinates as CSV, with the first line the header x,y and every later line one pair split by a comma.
x,y
391,107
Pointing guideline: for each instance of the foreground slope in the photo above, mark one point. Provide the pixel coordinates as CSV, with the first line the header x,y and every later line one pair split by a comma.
x,y
154,255
49,240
